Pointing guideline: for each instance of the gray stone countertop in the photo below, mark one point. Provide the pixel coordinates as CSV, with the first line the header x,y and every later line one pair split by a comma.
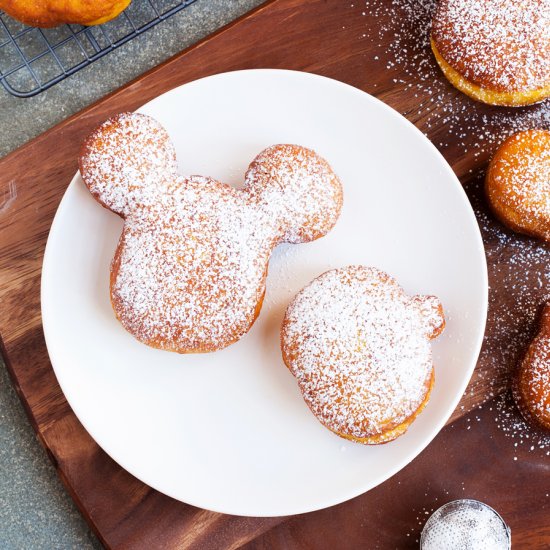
x,y
35,510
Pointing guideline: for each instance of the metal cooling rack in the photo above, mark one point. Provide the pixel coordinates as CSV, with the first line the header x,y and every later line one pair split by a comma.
x,y
32,60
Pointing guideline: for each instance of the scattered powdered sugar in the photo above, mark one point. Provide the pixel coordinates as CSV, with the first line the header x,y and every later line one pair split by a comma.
x,y
189,272
359,348
519,282
400,33
518,430
465,525
500,44
519,267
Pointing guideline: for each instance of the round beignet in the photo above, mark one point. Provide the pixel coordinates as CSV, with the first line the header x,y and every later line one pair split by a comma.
x,y
359,348
495,51
518,183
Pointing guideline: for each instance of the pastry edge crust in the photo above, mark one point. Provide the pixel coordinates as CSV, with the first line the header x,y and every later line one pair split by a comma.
x,y
485,94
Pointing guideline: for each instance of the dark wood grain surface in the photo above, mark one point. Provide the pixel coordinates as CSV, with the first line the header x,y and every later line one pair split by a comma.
x,y
392,515
378,46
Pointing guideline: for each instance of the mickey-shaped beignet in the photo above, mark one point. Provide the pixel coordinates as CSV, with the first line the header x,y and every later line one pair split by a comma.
x,y
531,388
518,183
189,271
359,348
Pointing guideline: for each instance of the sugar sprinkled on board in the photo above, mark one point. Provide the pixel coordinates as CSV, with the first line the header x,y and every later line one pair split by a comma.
x,y
400,33
519,281
524,436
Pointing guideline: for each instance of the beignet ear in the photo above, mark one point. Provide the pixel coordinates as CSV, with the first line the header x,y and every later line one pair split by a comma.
x,y
299,187
432,313
126,162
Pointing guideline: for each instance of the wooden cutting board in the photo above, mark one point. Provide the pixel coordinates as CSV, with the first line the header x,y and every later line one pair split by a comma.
x,y
355,43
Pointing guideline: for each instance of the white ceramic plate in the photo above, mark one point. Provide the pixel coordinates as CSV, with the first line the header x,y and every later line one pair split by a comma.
x,y
229,431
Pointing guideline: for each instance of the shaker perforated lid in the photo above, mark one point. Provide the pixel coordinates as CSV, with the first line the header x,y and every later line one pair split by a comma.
x,y
465,525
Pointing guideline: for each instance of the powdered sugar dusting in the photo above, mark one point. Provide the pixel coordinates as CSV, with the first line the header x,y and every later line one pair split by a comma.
x,y
503,45
519,282
359,349
518,182
189,272
400,33
521,433
127,162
